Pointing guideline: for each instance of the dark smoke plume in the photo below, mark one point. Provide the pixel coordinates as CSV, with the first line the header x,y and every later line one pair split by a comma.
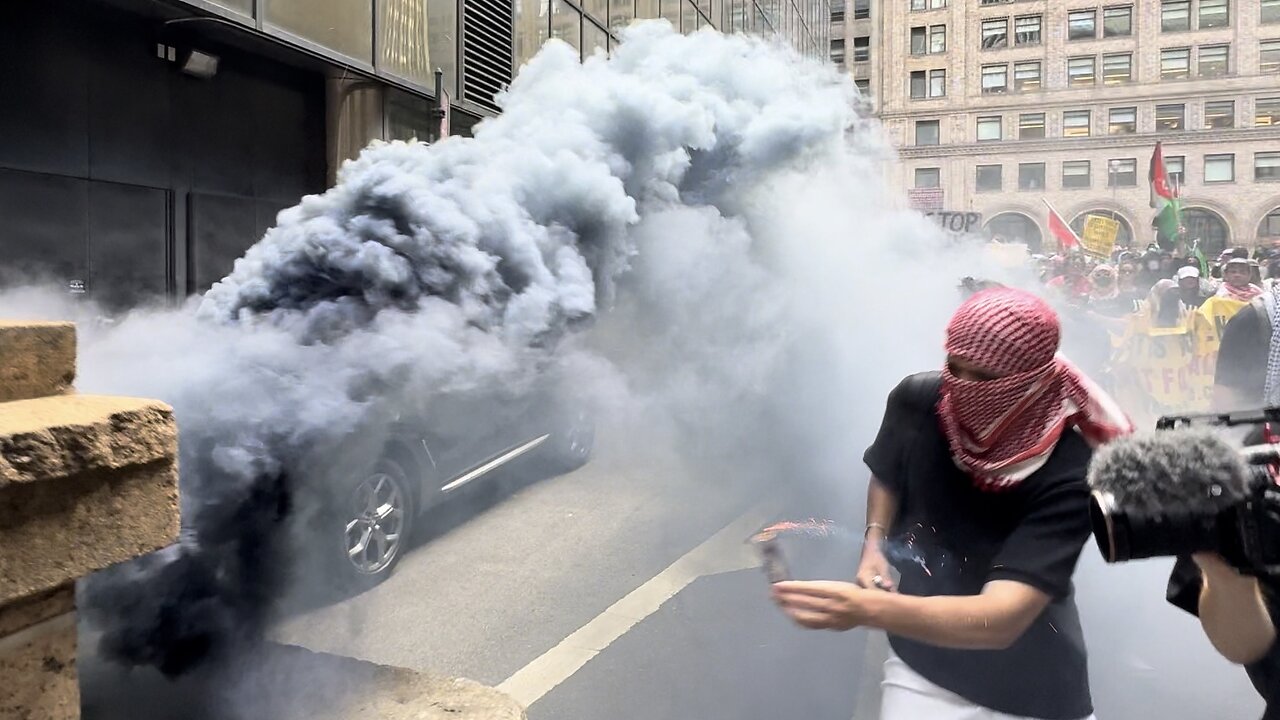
x,y
448,268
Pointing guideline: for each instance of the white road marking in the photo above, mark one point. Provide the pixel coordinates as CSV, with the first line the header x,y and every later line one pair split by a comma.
x,y
726,551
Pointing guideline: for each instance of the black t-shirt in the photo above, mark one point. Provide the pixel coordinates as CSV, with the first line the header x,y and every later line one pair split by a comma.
x,y
1184,592
1242,357
950,538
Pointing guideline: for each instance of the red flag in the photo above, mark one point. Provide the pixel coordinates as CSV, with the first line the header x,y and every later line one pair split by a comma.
x,y
1060,230
1160,189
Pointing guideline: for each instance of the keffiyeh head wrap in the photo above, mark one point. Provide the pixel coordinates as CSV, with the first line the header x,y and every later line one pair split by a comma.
x,y
1271,388
1002,430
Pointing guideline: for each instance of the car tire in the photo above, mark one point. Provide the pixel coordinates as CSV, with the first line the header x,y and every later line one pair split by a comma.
x,y
372,523
571,446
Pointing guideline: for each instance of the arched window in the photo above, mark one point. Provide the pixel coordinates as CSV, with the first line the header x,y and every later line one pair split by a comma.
x,y
1014,228
1269,228
1124,237
1209,228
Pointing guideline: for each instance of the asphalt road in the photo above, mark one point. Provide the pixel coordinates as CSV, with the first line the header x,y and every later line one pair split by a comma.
x,y
623,590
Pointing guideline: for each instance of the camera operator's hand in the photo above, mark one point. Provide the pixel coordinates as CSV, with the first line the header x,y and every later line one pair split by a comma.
x,y
1233,612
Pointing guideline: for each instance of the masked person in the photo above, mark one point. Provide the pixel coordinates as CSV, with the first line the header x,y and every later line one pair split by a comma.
x,y
978,497
1190,290
1237,281
1073,283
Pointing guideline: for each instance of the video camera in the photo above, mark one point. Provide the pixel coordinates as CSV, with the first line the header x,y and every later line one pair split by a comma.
x,y
1186,489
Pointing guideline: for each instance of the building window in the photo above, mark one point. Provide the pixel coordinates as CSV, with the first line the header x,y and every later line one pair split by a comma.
x,y
1076,123
1080,71
927,132
1270,11
1026,30
862,48
928,177
990,128
1220,114
1175,63
837,14
1026,76
1082,24
1214,13
861,9
1175,168
995,33
1266,112
837,50
1031,176
989,178
1269,56
1031,126
937,83
937,38
1270,225
917,5
1122,172
1117,21
863,85
1266,166
1175,15
1171,118
1219,168
919,85
994,79
1122,121
1075,174
1212,61
1117,69
919,40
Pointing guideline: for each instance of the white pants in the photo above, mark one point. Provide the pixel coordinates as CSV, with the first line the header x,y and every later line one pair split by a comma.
x,y
906,695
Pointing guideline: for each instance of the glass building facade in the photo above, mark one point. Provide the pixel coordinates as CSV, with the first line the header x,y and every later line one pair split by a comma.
x,y
478,44
592,25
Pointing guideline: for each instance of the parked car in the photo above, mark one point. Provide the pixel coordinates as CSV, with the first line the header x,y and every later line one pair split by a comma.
x,y
467,439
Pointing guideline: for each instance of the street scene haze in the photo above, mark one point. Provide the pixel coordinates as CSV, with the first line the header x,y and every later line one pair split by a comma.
x,y
640,359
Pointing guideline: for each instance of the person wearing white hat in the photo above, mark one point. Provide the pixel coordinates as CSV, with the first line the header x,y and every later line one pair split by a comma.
x,y
1236,276
1188,278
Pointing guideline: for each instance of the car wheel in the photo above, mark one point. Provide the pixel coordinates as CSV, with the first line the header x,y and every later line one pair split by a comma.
x,y
570,448
374,519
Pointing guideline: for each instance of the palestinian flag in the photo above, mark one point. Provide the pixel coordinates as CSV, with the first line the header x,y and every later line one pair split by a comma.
x,y
1168,219
1061,231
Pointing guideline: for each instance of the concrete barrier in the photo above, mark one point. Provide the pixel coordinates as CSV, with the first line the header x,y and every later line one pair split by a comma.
x,y
85,482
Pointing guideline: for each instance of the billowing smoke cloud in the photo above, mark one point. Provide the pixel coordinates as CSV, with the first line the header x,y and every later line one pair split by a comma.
x,y
693,234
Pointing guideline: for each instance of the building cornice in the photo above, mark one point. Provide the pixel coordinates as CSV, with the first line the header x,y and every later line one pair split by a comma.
x,y
1086,143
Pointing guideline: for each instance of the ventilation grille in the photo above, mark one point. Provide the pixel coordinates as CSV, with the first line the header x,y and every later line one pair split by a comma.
x,y
487,49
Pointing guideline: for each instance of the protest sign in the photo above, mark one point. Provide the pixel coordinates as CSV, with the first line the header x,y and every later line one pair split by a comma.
x,y
1099,236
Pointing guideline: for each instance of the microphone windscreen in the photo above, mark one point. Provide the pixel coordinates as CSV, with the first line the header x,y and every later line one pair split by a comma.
x,y
1182,468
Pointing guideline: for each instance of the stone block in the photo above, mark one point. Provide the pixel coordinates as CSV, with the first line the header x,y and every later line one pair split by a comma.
x,y
38,678
36,359
85,482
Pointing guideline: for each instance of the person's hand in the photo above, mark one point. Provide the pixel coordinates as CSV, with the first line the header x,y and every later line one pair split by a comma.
x,y
823,605
1218,571
873,569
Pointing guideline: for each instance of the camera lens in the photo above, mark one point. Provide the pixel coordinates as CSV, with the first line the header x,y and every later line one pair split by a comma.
x,y
1110,527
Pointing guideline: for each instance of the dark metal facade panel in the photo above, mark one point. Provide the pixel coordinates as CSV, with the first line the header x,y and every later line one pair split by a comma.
x,y
488,38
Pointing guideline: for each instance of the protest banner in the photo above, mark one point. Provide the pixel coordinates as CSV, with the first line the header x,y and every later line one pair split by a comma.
x,y
1163,370
1099,236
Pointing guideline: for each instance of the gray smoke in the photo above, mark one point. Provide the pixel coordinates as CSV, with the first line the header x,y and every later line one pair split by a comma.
x,y
710,210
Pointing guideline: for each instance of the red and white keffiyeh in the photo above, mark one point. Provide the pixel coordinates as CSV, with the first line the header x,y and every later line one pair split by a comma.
x,y
1001,431
1243,294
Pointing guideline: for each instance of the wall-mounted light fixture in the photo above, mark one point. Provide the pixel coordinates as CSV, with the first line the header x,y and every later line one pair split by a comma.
x,y
200,64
